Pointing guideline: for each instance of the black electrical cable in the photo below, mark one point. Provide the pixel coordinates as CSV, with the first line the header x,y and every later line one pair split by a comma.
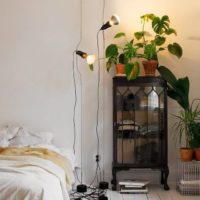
x,y
75,102
75,92
93,193
74,109
103,36
97,115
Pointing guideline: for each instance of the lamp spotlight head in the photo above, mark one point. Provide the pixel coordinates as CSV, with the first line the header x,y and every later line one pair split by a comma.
x,y
82,54
90,59
115,20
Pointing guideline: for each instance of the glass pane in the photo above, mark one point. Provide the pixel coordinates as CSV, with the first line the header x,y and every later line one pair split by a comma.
x,y
140,117
147,152
153,99
125,150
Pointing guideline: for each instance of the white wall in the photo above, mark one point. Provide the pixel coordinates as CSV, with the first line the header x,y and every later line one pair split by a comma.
x,y
37,39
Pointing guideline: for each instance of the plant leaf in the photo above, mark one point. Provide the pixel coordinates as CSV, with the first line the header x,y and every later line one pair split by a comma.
x,y
130,50
111,50
160,49
139,45
108,66
111,60
91,66
118,35
175,49
183,84
159,40
150,51
147,17
160,25
167,75
139,35
169,31
122,59
132,70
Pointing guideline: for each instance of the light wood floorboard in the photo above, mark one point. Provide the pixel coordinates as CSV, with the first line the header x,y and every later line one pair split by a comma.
x,y
155,193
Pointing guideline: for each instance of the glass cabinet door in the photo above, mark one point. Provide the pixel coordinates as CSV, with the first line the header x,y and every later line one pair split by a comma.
x,y
139,126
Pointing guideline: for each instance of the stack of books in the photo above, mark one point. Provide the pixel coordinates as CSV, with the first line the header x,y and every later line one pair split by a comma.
x,y
133,186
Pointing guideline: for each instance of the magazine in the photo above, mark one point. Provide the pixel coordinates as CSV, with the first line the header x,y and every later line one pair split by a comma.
x,y
124,189
134,182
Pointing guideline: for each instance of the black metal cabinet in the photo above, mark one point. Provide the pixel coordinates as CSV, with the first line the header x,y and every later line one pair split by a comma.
x,y
140,126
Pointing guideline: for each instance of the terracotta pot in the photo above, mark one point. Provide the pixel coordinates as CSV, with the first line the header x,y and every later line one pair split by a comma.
x,y
150,67
197,153
186,154
120,69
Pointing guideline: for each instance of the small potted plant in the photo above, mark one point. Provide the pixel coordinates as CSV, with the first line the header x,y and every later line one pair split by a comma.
x,y
121,56
195,137
188,124
188,118
150,45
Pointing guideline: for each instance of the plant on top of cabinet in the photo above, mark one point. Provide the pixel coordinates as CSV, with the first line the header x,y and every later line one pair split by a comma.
x,y
151,45
121,56
144,45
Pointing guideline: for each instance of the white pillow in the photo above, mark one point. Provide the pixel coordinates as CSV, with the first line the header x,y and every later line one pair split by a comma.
x,y
3,142
7,133
26,137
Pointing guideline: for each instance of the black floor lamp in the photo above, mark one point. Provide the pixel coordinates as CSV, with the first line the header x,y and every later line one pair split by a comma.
x,y
82,191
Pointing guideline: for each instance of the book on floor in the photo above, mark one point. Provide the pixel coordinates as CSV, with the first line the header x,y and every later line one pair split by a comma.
x,y
134,182
124,189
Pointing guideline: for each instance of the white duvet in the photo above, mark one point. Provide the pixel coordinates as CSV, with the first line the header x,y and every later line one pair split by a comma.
x,y
31,178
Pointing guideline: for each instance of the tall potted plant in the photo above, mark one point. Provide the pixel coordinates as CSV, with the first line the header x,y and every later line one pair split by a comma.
x,y
151,44
189,116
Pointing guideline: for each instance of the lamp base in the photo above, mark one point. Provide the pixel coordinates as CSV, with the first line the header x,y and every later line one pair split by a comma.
x,y
102,197
103,185
81,188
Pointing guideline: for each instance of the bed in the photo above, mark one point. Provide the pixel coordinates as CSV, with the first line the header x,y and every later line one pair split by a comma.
x,y
32,168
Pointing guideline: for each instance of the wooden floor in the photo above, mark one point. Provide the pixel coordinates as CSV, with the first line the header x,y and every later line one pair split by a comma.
x,y
155,193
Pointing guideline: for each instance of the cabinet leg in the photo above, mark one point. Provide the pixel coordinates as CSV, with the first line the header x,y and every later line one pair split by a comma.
x,y
114,180
164,177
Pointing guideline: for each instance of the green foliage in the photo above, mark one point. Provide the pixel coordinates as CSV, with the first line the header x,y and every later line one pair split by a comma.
x,y
175,49
143,45
194,129
123,54
188,123
132,70
161,29
178,89
91,66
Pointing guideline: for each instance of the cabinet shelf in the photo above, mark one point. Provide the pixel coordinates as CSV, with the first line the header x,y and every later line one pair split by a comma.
x,y
136,134
142,108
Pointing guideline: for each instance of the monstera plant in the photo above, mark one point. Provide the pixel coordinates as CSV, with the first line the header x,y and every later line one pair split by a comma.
x,y
153,41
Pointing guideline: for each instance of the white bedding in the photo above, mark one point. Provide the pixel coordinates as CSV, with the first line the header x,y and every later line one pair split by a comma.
x,y
31,178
